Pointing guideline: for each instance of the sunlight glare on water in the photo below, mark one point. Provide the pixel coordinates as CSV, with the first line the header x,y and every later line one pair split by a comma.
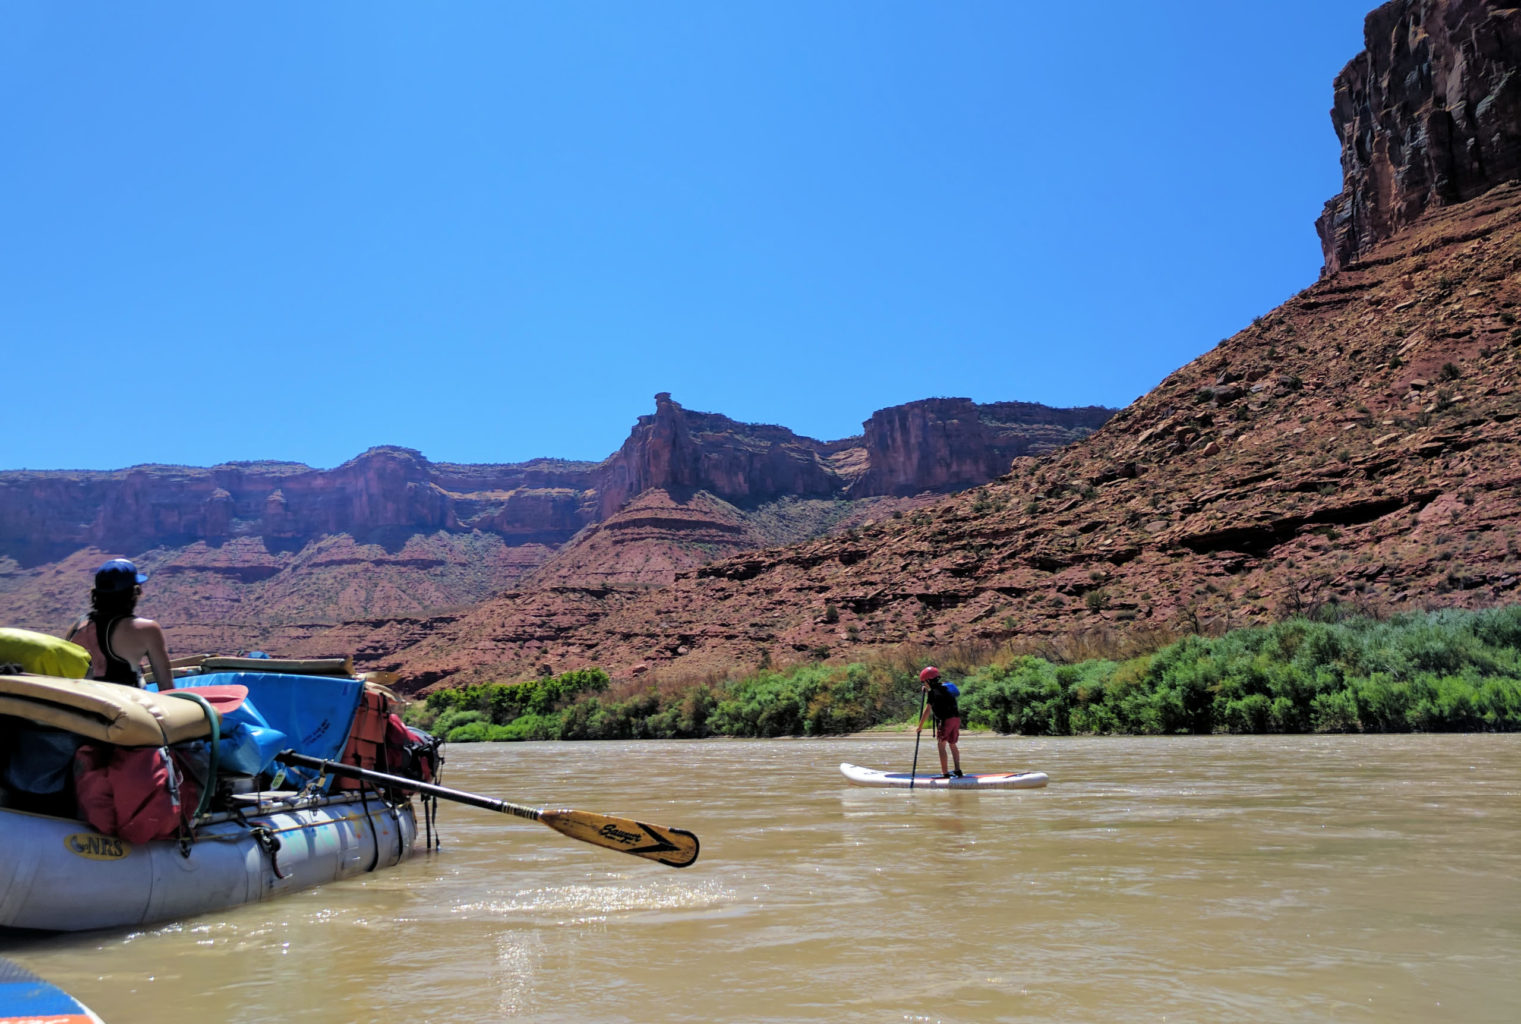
x,y
1250,879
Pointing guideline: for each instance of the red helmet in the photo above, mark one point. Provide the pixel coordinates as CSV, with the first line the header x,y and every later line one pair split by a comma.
x,y
929,675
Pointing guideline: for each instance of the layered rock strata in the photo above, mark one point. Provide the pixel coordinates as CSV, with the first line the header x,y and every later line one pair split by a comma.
x,y
389,533
1359,446
1429,114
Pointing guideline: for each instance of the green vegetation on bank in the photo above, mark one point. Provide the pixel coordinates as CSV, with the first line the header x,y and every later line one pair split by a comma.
x,y
1452,670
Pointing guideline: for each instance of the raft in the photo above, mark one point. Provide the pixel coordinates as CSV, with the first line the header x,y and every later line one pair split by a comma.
x,y
257,829
60,875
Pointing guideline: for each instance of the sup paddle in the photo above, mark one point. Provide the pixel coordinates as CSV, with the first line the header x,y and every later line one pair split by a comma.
x,y
919,728
675,847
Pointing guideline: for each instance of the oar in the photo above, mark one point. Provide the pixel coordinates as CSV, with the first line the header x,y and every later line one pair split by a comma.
x,y
675,847
923,696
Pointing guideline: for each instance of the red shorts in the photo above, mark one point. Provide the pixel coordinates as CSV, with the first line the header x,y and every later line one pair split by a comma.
x,y
949,730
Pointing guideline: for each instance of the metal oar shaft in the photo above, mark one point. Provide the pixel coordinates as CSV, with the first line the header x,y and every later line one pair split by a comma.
x,y
290,757
675,847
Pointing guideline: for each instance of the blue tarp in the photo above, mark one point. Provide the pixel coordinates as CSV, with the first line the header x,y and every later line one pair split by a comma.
x,y
249,743
313,713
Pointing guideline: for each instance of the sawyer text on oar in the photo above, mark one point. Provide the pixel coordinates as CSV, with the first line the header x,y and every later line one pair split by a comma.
x,y
611,831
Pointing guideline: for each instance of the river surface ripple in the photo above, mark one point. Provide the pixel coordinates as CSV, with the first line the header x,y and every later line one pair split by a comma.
x,y
1210,879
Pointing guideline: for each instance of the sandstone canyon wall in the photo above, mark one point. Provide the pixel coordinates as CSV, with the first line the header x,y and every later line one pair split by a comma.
x,y
947,444
679,450
388,489
391,533
934,445
1429,114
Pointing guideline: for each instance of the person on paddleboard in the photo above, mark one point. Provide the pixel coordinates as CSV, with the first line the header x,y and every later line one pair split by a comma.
x,y
941,703
116,638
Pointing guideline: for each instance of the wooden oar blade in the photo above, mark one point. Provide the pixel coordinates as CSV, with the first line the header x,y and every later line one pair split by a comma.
x,y
675,847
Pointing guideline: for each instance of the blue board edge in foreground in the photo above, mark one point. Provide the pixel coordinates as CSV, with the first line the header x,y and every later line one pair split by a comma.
x,y
26,997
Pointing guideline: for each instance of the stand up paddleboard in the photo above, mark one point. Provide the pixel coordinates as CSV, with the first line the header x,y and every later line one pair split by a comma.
x,y
27,999
979,780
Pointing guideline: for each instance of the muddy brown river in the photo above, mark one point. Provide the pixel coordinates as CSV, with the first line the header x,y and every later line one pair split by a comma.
x,y
1208,879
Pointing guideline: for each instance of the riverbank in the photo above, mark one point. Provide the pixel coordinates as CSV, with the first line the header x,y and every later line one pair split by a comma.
x,y
1441,671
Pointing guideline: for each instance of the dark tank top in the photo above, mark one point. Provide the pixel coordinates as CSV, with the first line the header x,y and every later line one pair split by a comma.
x,y
117,669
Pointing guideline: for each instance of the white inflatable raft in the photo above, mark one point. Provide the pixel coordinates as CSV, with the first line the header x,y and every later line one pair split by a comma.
x,y
60,875
979,780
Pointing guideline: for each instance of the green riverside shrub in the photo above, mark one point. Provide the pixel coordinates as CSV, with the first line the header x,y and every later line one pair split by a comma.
x,y
1449,670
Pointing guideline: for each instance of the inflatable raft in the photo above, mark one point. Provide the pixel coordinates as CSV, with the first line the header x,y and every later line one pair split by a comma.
x,y
61,875
244,827
980,780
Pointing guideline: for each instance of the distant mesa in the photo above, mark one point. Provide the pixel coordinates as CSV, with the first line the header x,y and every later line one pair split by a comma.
x,y
936,445
395,513
948,444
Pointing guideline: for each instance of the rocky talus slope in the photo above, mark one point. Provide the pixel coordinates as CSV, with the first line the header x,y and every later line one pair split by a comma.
x,y
1359,444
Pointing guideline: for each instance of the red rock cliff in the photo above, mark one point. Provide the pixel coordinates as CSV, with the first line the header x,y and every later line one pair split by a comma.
x,y
1429,114
939,444
946,444
385,490
389,492
680,450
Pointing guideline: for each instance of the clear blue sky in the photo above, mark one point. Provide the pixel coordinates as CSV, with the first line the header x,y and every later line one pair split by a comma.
x,y
493,231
